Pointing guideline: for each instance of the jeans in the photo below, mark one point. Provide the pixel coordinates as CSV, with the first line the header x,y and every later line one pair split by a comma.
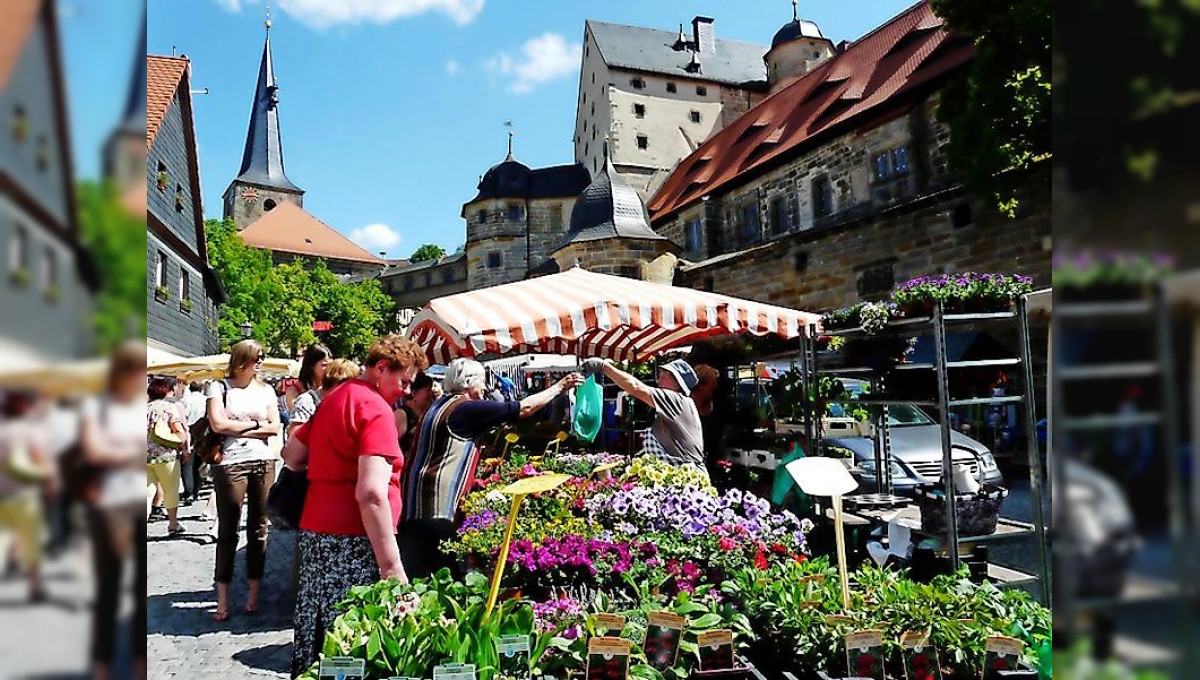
x,y
231,484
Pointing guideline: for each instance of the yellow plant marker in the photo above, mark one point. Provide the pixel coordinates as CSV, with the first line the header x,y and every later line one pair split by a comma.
x,y
556,442
518,490
509,439
605,468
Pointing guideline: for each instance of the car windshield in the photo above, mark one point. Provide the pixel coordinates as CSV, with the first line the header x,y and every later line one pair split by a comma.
x,y
901,415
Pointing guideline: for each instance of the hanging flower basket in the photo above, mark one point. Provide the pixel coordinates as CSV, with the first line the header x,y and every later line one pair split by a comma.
x,y
1110,276
872,317
964,293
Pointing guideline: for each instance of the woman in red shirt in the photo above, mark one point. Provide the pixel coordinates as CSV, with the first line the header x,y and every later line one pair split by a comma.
x,y
348,528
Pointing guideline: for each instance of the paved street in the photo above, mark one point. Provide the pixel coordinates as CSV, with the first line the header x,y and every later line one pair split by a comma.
x,y
50,640
182,639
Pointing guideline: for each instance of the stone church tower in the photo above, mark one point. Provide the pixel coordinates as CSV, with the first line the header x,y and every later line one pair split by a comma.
x,y
261,184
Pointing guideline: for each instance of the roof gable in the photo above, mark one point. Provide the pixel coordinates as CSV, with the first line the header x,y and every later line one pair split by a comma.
x,y
288,228
652,50
163,75
870,78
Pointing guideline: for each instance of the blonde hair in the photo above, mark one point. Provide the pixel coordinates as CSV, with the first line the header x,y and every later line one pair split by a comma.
x,y
337,372
398,351
244,353
128,357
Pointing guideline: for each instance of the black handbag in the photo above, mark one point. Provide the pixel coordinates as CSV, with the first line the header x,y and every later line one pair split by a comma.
x,y
285,499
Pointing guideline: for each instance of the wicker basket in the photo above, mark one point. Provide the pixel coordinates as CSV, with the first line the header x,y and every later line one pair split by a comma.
x,y
977,513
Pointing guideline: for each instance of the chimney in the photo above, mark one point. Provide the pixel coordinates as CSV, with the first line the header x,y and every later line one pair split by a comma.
x,y
704,34
843,46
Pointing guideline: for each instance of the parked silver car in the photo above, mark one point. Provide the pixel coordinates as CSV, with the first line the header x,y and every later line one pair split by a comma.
x,y
916,452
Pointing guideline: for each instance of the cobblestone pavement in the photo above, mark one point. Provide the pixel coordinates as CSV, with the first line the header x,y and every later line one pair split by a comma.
x,y
182,640
50,640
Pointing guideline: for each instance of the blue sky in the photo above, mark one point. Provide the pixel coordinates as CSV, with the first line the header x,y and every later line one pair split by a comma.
x,y
391,109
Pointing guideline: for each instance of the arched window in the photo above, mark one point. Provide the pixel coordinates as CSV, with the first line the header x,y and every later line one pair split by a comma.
x,y
268,205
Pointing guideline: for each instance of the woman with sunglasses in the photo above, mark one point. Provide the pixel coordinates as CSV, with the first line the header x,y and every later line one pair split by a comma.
x,y
244,409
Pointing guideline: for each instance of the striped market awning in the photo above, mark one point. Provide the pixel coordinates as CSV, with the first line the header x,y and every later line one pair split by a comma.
x,y
590,315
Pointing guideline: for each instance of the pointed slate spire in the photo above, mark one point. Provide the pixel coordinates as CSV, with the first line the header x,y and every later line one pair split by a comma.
x,y
262,159
134,119
609,208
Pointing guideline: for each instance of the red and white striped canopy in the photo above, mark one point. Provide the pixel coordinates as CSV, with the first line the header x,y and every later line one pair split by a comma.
x,y
588,314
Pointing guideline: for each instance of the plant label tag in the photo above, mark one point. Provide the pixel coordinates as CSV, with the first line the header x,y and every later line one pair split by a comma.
x,y
864,654
454,671
810,604
920,658
343,668
1001,654
513,651
716,650
818,579
538,484
838,620
614,623
608,658
601,469
664,632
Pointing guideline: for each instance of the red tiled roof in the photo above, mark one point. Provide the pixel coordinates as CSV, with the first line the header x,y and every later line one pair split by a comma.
x,y
871,78
162,80
289,229
17,18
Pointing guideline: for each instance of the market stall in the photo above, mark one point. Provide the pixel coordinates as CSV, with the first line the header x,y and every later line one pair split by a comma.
x,y
213,366
588,314
62,379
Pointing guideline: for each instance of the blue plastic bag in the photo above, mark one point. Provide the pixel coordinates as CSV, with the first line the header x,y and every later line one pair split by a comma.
x,y
589,410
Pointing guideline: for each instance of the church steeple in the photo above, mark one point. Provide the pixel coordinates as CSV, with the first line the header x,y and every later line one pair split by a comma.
x,y
262,159
124,152
261,183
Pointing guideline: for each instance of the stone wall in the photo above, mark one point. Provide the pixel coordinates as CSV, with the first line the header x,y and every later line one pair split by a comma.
x,y
620,257
785,198
414,288
245,203
523,231
863,258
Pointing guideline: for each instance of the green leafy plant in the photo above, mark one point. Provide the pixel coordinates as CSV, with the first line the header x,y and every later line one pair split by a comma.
x,y
162,181
21,277
1086,269
962,292
186,305
161,292
53,294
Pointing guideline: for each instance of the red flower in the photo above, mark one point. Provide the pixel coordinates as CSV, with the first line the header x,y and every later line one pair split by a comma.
x,y
727,544
779,549
760,560
801,558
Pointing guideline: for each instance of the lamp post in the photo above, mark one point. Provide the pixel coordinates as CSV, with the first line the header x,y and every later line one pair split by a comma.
x,y
247,328
828,477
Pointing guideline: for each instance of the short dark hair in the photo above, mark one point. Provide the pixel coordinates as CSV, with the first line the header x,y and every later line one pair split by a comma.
x,y
197,386
422,381
159,388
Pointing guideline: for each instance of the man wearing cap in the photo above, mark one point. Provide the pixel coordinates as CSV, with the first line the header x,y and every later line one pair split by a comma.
x,y
677,422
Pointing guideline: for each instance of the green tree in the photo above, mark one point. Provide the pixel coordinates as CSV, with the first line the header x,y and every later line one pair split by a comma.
x,y
283,301
999,109
116,242
429,251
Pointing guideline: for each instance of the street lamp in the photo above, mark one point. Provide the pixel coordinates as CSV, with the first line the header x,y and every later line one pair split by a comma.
x,y
246,328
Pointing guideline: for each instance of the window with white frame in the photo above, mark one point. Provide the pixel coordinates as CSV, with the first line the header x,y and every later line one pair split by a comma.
x,y
19,255
160,273
49,269
185,285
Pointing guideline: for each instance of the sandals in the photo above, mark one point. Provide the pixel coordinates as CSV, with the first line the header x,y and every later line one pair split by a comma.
x,y
176,531
251,609
220,616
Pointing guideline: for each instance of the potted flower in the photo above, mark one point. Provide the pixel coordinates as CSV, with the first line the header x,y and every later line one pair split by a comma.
x,y
53,294
966,292
186,306
1108,276
161,293
162,180
872,317
21,277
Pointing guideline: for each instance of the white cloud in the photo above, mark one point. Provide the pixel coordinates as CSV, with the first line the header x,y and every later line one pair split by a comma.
x,y
452,67
377,237
541,59
322,14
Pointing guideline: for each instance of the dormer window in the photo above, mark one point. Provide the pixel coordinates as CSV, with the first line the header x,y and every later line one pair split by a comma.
x,y
179,196
637,84
702,90
671,88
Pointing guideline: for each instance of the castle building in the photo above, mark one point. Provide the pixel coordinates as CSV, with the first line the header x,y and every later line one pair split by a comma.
x,y
182,290
656,95
46,278
268,208
836,187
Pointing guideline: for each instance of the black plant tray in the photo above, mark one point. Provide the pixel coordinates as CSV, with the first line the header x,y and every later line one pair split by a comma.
x,y
977,514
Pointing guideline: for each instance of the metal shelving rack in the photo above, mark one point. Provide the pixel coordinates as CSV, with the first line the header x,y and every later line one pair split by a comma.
x,y
936,325
1140,589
